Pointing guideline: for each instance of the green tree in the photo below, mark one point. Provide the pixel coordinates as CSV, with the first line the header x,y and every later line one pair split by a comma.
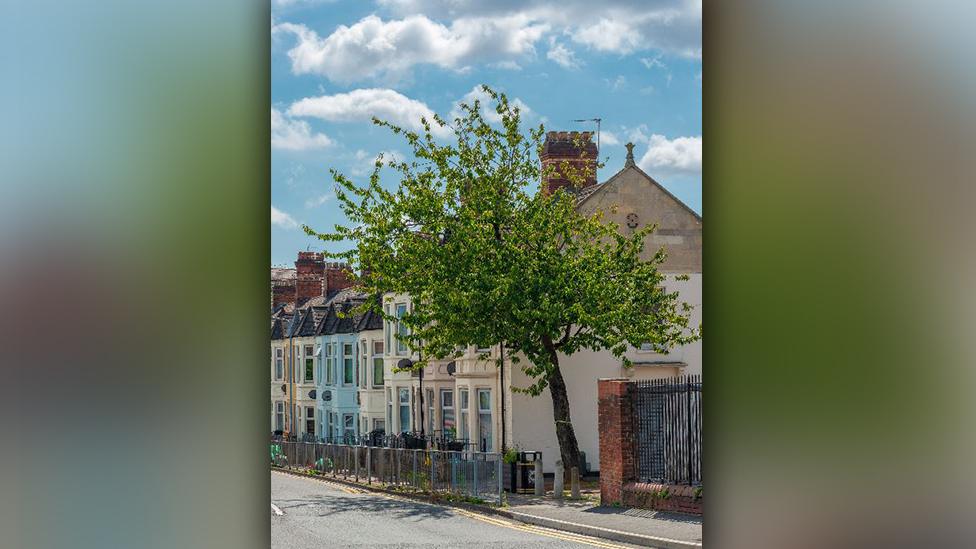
x,y
489,261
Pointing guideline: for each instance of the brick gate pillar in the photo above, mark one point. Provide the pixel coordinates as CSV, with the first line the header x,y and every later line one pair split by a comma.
x,y
616,421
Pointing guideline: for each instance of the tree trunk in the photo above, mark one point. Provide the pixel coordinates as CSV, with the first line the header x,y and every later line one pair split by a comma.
x,y
568,447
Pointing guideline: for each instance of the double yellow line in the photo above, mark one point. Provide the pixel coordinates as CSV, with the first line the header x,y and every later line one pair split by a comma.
x,y
566,536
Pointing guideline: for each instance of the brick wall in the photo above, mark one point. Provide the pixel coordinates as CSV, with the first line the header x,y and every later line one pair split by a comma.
x,y
616,438
564,148
283,292
309,272
337,277
618,473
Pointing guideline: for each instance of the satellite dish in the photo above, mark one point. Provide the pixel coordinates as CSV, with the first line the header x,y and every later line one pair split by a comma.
x,y
311,394
451,367
284,388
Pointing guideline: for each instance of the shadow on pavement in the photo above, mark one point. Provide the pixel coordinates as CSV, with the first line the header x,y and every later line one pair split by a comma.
x,y
644,513
330,505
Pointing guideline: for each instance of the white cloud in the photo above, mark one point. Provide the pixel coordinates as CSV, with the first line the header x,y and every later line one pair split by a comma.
x,y
295,173
294,135
616,84
637,134
506,65
317,201
616,26
562,55
373,48
487,106
282,219
363,104
608,138
610,36
678,155
651,62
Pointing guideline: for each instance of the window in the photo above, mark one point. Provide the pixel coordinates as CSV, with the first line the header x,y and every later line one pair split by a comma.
x,y
484,419
363,369
295,359
377,364
279,364
401,311
318,365
447,413
329,363
404,410
389,407
347,365
309,365
430,411
310,420
379,424
463,403
389,328
483,350
348,426
279,416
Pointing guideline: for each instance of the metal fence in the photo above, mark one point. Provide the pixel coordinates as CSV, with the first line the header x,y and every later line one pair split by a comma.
x,y
471,474
409,440
668,430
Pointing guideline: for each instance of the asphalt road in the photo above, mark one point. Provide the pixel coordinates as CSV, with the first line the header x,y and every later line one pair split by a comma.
x,y
310,513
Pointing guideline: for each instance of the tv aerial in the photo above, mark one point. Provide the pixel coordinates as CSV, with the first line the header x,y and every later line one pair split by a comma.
x,y
597,120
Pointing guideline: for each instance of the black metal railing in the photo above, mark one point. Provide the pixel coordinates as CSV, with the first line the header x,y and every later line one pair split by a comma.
x,y
473,474
380,439
668,430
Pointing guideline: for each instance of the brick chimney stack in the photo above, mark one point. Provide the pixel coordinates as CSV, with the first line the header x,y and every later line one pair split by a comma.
x,y
562,147
337,278
310,276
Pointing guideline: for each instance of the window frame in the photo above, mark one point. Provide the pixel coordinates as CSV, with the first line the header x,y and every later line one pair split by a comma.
x,y
401,328
351,361
378,356
308,419
445,409
463,414
485,412
309,363
403,405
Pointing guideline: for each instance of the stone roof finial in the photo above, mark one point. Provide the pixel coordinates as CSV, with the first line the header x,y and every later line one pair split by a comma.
x,y
629,163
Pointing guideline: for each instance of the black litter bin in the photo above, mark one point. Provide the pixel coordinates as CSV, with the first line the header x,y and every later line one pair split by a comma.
x,y
522,473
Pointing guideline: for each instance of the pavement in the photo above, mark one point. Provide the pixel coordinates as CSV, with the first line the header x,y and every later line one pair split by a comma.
x,y
616,523
309,512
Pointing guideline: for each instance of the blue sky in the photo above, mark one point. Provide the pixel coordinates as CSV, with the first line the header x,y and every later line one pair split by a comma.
x,y
634,63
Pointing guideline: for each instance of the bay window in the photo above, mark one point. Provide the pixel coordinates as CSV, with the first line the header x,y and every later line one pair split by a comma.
x,y
484,419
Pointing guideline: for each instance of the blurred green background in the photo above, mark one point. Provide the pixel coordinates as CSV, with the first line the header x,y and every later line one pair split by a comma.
x,y
135,243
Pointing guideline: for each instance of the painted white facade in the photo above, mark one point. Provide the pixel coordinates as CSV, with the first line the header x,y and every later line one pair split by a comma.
x,y
533,427
372,400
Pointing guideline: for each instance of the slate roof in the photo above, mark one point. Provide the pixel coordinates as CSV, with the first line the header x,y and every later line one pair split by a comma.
x,y
369,320
278,326
328,323
283,273
294,324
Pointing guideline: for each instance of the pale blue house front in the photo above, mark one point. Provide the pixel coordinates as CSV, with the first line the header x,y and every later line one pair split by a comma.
x,y
338,387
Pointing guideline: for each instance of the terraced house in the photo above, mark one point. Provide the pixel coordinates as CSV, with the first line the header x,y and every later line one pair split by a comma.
x,y
367,384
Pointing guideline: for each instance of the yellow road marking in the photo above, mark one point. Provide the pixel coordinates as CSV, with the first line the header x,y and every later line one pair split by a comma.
x,y
566,536
532,529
